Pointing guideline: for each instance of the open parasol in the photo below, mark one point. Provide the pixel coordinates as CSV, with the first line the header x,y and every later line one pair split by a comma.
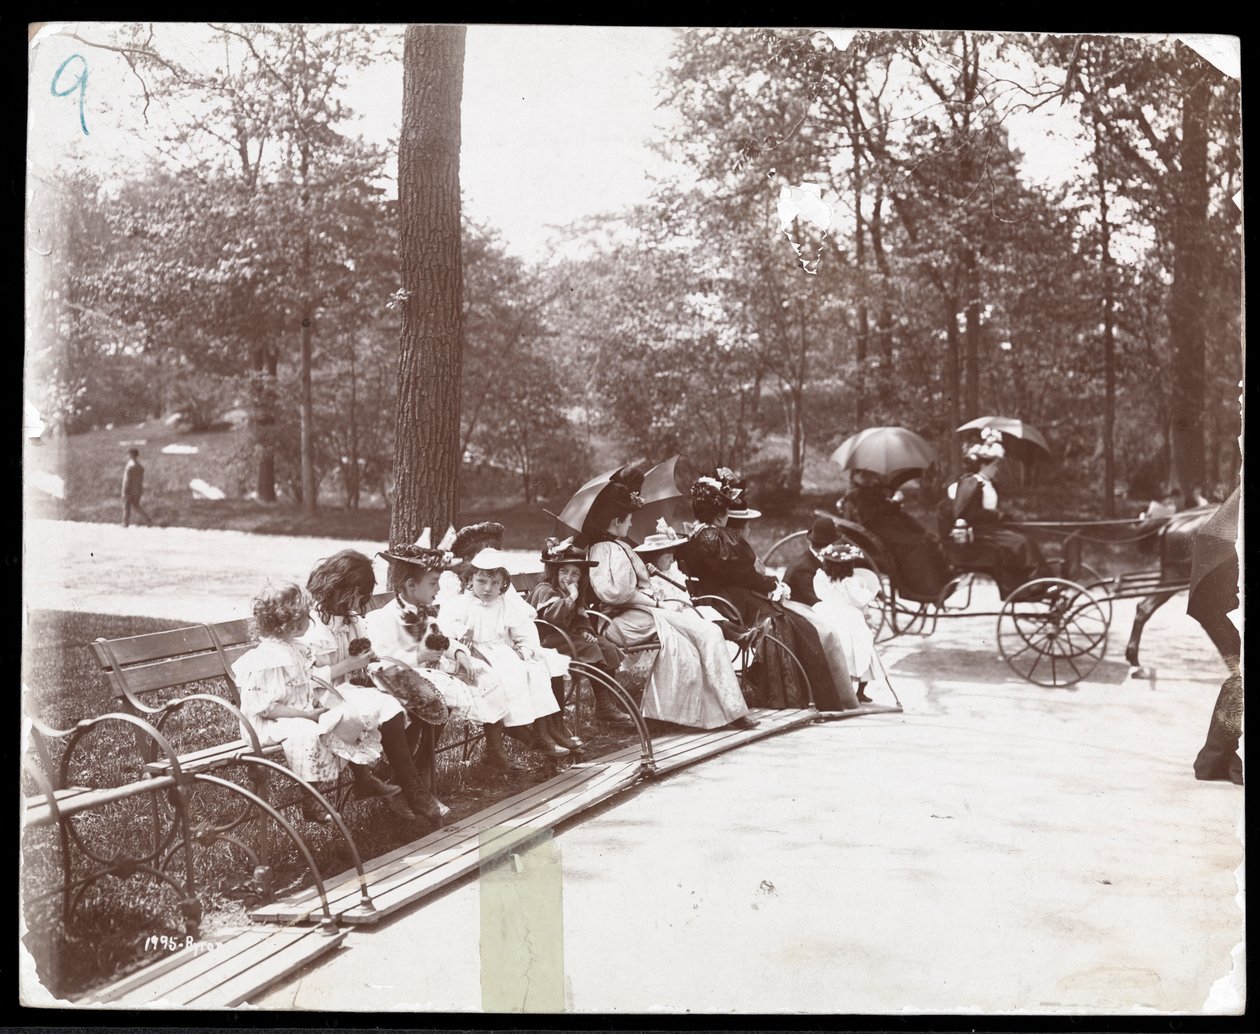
x,y
1214,563
1028,443
577,508
885,450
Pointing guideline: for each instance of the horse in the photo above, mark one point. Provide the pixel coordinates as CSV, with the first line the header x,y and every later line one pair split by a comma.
x,y
1176,548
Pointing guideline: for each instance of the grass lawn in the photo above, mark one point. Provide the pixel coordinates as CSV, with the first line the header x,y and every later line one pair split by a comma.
x,y
108,933
90,466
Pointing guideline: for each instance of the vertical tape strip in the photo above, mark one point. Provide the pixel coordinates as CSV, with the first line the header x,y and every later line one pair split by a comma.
x,y
522,924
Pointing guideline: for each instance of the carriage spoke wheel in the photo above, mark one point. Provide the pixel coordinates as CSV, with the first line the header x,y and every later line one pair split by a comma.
x,y
1053,632
1093,582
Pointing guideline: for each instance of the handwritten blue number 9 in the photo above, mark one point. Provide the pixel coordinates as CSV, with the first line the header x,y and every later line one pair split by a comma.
x,y
79,84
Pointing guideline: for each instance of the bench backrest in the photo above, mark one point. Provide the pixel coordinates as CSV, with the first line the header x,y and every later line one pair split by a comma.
x,y
156,661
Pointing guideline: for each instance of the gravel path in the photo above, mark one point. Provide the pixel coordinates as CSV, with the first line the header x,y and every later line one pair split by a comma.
x,y
185,574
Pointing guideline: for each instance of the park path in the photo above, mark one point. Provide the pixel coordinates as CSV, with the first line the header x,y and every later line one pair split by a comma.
x,y
186,574
999,847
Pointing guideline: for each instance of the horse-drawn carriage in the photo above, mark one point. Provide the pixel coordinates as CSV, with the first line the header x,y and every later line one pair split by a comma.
x,y
1053,629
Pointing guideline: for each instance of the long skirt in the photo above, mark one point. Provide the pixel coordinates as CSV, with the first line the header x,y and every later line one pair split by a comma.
x,y
371,704
692,681
832,650
527,684
312,749
855,636
777,678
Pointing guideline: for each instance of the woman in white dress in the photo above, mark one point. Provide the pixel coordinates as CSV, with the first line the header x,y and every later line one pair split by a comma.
x,y
692,681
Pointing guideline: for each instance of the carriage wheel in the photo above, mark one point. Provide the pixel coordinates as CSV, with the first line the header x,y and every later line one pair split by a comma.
x,y
1096,584
1053,632
785,550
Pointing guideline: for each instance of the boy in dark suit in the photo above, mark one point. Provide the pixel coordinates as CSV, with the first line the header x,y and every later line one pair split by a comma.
x,y
799,577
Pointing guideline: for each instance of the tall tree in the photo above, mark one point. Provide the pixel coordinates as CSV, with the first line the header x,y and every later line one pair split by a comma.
x,y
430,357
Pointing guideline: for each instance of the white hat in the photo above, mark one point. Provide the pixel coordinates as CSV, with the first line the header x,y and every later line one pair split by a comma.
x,y
490,559
664,538
659,544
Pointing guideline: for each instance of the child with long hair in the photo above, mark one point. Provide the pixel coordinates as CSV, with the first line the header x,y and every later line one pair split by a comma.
x,y
500,626
341,588
320,733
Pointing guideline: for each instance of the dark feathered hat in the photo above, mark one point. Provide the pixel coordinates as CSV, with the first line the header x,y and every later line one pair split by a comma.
x,y
473,538
561,553
420,557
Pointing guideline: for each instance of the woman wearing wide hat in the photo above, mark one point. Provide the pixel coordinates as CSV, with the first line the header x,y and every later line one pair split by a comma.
x,y
975,501
692,681
722,563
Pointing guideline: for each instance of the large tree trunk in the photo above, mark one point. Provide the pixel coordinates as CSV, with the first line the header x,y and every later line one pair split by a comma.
x,y
426,449
1186,315
864,324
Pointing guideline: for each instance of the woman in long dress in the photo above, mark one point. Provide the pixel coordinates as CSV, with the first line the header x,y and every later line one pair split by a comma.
x,y
692,681
723,564
975,501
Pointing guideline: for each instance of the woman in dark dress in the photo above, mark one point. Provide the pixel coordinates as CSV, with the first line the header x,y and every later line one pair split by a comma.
x,y
920,570
723,564
975,501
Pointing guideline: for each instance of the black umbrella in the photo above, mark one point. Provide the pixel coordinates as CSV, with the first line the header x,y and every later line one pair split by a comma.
x,y
1214,563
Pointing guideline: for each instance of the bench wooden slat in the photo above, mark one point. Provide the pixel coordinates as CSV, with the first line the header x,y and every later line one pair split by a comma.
x,y
219,976
274,960
156,646
439,840
212,757
145,678
429,864
77,799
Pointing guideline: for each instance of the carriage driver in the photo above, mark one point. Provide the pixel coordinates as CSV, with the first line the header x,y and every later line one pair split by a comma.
x,y
975,501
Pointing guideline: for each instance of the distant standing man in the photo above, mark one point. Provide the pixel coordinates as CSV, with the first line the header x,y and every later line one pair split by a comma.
x,y
133,488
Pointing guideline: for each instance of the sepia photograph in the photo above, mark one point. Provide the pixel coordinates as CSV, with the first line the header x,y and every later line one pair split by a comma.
x,y
622,520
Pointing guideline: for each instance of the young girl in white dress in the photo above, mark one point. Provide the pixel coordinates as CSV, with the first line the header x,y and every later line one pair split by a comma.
x,y
499,625
845,588
341,588
320,732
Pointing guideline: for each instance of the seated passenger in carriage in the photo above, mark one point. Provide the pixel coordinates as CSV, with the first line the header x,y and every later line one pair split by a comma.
x,y
722,563
975,503
658,552
920,570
